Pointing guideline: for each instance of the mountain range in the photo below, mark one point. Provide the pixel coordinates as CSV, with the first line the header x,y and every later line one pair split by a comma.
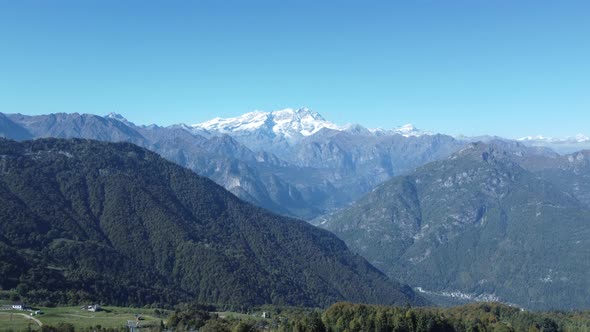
x,y
561,145
88,221
468,218
497,221
292,162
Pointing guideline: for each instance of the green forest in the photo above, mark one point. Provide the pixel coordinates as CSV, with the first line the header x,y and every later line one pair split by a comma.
x,y
348,317
83,221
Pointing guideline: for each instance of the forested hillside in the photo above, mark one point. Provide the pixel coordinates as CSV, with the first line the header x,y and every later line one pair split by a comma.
x,y
476,226
88,221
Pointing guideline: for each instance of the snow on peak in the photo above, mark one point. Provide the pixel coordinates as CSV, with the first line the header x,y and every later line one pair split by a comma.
x,y
293,124
303,121
408,130
287,122
536,138
116,116
579,138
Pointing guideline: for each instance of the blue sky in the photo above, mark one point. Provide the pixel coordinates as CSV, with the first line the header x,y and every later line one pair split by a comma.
x,y
505,67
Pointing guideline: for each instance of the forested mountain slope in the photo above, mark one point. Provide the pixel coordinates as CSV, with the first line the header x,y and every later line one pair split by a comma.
x,y
479,226
86,221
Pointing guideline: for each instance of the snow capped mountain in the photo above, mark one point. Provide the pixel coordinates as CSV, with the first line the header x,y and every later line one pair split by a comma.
x,y
579,138
115,116
289,123
407,130
561,145
292,124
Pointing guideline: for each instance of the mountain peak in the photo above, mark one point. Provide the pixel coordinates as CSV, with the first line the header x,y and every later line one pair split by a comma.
x,y
116,116
299,113
289,123
293,124
408,130
579,138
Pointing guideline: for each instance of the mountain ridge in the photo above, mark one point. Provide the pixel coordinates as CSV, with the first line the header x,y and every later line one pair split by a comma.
x,y
292,125
112,222
266,170
475,223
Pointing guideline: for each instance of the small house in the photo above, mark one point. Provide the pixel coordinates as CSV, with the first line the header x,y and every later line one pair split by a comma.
x,y
19,306
94,308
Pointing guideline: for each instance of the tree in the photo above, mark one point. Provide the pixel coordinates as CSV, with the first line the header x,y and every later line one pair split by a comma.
x,y
549,325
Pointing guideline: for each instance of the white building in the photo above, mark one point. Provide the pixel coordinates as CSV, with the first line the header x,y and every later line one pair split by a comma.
x,y
19,306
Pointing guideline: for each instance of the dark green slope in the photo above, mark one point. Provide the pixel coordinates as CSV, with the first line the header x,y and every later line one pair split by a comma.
x,y
479,224
571,172
82,220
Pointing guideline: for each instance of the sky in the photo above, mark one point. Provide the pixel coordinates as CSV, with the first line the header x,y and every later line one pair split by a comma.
x,y
472,67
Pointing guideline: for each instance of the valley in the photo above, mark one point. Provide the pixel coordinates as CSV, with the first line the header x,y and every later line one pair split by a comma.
x,y
294,166
437,211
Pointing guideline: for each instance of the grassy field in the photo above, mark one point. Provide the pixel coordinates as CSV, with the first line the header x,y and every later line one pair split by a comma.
x,y
109,317
16,322
236,315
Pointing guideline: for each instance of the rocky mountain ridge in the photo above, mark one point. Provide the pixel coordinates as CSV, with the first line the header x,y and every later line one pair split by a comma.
x,y
304,178
481,222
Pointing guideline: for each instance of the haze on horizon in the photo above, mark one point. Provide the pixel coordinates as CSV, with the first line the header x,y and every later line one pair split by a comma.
x,y
458,67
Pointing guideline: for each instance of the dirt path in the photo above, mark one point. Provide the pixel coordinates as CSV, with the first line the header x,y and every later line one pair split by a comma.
x,y
24,315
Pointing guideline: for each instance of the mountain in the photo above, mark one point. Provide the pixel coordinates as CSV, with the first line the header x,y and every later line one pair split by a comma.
x,y
289,123
281,129
62,125
561,145
284,171
406,130
10,129
477,226
580,138
570,172
87,221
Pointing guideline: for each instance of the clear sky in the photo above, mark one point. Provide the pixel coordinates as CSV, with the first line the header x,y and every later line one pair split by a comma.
x,y
506,67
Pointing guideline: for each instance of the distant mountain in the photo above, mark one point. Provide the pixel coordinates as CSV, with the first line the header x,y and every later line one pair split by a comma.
x,y
561,145
482,224
406,130
62,125
290,124
580,138
10,129
86,221
280,129
570,172
292,162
